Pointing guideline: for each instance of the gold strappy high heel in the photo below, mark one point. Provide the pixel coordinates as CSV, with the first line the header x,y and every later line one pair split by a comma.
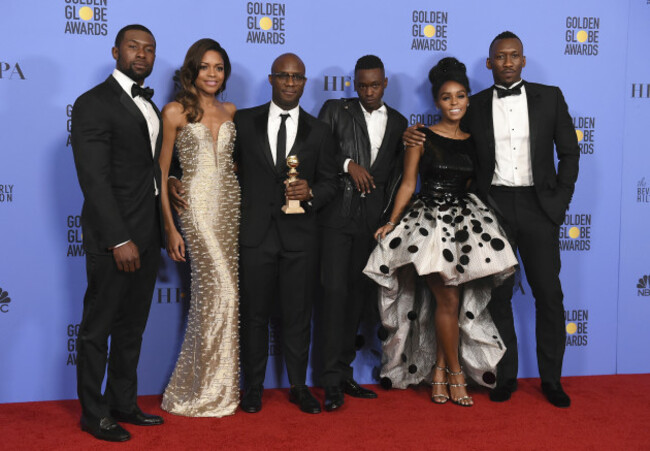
x,y
439,398
459,401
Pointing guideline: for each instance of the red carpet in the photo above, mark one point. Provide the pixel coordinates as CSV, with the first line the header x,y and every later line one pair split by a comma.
x,y
607,412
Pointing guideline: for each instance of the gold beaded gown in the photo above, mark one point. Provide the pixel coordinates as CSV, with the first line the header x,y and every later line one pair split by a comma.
x,y
205,381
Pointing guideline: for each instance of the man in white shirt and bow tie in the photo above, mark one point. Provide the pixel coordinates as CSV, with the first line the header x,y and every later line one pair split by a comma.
x,y
519,128
116,138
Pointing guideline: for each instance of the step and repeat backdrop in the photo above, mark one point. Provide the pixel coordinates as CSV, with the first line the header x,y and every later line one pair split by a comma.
x,y
52,51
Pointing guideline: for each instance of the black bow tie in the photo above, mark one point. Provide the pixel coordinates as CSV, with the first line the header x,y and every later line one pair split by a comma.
x,y
145,93
502,92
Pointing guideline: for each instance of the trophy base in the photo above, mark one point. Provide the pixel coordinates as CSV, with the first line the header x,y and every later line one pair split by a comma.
x,y
292,207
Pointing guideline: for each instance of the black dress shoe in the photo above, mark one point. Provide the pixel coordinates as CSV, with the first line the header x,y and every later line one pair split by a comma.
x,y
503,392
300,394
137,417
350,387
556,395
105,429
333,398
251,402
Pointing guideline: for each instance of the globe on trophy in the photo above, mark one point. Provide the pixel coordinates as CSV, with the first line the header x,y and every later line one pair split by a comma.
x,y
292,207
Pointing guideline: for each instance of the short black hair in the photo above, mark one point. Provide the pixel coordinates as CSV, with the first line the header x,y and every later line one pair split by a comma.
x,y
369,62
120,34
504,35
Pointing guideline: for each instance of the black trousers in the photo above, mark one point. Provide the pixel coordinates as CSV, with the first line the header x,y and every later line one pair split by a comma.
x,y
116,304
269,271
346,292
537,238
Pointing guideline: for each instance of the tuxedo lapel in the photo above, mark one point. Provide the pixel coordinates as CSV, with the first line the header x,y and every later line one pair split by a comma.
x,y
360,121
128,103
487,122
533,101
160,132
302,134
261,130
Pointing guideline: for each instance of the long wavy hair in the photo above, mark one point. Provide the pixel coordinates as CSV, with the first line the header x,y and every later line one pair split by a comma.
x,y
188,95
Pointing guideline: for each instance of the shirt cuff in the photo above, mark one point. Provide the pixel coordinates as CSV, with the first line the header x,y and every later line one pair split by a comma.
x,y
120,245
346,164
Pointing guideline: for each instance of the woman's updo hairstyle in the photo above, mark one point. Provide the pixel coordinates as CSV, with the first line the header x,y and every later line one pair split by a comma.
x,y
447,69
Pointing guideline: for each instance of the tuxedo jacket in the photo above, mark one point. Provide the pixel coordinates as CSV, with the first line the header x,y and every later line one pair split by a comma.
x,y
550,128
346,121
116,169
262,185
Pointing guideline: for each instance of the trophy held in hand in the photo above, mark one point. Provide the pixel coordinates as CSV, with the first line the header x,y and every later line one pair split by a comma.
x,y
292,206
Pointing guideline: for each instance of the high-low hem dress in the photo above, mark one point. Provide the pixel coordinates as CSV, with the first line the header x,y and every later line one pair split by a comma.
x,y
447,231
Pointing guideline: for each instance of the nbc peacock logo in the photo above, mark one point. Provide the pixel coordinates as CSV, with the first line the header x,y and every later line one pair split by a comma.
x,y
643,286
5,300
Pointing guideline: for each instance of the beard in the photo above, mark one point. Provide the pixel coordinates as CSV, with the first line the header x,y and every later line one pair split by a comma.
x,y
137,75
134,75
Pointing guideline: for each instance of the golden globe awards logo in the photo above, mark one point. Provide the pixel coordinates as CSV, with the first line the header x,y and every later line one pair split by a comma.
x,y
336,82
428,119
11,71
6,193
642,192
68,124
75,237
576,327
71,343
582,36
575,233
429,30
87,17
265,23
5,300
586,133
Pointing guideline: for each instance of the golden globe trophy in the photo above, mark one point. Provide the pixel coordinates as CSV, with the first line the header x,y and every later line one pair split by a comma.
x,y
292,207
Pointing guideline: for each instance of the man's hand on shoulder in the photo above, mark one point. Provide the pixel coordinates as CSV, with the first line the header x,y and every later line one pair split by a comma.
x,y
413,137
127,257
361,177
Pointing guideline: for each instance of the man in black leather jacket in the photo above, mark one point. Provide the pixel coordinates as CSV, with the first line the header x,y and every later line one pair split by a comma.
x,y
369,161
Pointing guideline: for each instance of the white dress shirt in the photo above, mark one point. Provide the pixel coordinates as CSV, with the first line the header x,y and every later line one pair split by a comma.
x,y
273,125
512,140
150,116
376,124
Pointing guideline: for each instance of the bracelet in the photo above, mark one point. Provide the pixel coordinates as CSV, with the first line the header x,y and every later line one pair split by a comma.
x,y
391,223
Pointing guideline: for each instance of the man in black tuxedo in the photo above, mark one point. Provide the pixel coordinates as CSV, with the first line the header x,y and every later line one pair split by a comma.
x,y
116,137
370,153
516,125
278,250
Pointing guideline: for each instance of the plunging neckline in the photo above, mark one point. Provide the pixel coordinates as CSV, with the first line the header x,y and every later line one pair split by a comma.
x,y
214,139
